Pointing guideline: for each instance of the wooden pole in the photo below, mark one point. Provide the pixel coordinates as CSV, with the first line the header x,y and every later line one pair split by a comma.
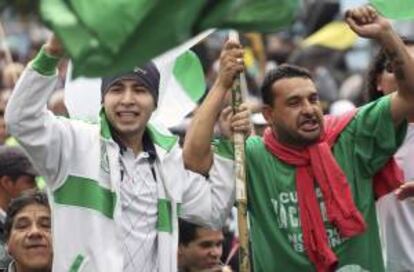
x,y
241,191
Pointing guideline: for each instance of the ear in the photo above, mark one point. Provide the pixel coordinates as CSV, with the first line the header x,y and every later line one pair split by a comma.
x,y
6,248
180,250
6,183
267,112
378,82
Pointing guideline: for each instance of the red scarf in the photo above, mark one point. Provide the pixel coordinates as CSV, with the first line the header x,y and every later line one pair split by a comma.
x,y
317,163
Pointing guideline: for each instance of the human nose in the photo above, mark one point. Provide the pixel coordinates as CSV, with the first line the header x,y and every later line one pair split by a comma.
x,y
307,107
216,251
127,97
34,231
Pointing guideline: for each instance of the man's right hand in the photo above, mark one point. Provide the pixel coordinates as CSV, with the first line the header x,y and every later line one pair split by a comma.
x,y
406,190
54,47
231,64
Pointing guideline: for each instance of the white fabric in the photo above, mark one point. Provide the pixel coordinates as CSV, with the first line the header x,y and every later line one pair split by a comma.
x,y
11,267
139,213
2,216
60,148
397,217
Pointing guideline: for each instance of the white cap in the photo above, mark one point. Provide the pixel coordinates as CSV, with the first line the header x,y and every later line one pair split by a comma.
x,y
341,106
258,119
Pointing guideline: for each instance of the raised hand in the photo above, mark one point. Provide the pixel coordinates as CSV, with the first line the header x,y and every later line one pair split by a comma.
x,y
231,64
366,22
54,47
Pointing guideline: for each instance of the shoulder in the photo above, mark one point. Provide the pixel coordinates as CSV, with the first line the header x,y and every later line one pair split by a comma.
x,y
254,144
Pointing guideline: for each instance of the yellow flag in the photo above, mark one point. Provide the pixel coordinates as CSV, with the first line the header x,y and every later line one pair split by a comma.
x,y
335,35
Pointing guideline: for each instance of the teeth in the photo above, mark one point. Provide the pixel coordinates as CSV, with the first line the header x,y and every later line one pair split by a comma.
x,y
127,114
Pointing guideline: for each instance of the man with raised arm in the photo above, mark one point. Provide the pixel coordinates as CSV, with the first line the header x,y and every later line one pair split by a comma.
x,y
116,187
310,178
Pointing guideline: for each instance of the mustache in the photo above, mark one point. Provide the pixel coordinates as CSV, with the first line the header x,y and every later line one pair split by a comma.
x,y
309,118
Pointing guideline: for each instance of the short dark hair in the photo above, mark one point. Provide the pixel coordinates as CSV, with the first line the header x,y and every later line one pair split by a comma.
x,y
16,205
14,162
187,231
378,64
281,72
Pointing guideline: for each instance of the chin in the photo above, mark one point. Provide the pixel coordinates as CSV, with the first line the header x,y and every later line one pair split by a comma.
x,y
39,265
129,130
311,139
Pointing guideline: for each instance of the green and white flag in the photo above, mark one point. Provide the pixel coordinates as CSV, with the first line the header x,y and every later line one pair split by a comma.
x,y
181,88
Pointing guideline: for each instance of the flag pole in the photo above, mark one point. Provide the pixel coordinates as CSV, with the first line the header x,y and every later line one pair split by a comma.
x,y
239,89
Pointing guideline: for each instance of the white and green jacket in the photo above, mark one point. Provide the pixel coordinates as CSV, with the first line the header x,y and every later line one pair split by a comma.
x,y
80,162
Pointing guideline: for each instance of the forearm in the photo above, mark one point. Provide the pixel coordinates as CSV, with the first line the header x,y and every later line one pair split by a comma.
x,y
27,118
197,152
401,61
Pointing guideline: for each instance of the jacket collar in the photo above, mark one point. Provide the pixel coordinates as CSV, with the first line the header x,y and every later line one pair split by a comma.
x,y
152,136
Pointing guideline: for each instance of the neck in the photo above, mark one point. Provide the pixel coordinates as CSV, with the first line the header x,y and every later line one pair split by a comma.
x,y
4,200
410,119
19,268
290,142
134,142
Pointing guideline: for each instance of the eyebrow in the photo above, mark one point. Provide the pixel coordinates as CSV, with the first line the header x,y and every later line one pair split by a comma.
x,y
17,218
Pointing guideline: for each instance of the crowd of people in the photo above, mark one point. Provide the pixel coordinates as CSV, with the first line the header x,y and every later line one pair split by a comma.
x,y
325,192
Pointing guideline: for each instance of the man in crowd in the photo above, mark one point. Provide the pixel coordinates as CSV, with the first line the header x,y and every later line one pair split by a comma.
x,y
199,248
394,214
117,187
27,230
16,175
310,178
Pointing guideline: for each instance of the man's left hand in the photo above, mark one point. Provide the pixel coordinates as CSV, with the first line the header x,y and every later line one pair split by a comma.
x,y
240,122
367,23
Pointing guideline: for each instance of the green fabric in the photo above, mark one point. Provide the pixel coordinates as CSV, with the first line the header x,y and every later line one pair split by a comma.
x,y
363,147
86,193
179,209
44,63
166,142
395,9
223,148
40,183
164,222
250,15
105,37
11,141
76,263
105,129
189,73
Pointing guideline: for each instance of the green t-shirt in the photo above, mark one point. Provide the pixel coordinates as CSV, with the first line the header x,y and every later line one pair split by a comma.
x,y
362,148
